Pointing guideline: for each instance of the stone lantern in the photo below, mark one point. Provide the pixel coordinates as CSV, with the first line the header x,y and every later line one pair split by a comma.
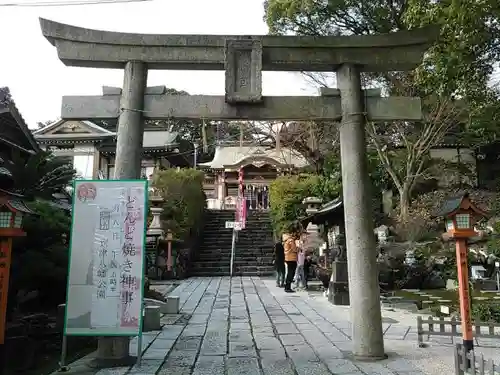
x,y
312,204
314,240
155,230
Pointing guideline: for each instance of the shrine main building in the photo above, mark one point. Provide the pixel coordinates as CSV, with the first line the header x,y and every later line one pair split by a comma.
x,y
261,165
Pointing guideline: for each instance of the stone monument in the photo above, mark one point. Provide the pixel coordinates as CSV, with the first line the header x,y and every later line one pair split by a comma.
x,y
243,58
338,289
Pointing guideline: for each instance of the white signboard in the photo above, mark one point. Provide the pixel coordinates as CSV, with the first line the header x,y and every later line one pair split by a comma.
x,y
106,263
236,225
445,310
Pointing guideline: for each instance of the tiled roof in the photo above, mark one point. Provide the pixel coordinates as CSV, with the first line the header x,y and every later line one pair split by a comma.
x,y
20,206
333,207
11,115
231,155
450,205
159,138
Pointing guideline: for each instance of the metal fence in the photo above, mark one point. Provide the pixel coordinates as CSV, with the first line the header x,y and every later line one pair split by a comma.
x,y
448,328
472,364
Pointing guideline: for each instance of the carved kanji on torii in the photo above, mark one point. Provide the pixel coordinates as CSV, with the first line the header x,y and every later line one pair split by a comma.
x,y
243,58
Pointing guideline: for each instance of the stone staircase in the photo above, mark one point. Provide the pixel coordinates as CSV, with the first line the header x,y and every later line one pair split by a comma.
x,y
253,252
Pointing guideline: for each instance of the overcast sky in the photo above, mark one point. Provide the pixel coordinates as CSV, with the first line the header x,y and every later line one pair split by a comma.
x,y
37,79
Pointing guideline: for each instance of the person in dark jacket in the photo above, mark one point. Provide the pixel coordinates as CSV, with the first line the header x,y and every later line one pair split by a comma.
x,y
279,263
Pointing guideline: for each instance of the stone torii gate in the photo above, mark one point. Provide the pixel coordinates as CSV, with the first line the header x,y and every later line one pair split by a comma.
x,y
243,58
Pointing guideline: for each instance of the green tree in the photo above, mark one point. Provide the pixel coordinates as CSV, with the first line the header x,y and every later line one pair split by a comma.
x,y
287,193
452,80
38,176
40,260
184,201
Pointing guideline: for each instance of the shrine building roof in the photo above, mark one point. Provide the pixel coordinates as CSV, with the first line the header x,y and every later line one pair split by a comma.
x,y
14,131
233,157
77,132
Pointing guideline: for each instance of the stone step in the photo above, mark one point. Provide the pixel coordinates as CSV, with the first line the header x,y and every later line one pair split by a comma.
x,y
266,247
262,244
257,243
247,232
215,264
251,233
248,226
244,257
223,251
210,265
214,234
254,247
248,258
226,273
262,269
213,238
254,218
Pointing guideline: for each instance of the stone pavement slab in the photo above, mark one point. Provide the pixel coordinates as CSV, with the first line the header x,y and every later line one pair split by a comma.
x,y
247,326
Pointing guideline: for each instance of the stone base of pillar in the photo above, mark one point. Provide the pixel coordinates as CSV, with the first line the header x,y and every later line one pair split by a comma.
x,y
338,289
113,352
338,293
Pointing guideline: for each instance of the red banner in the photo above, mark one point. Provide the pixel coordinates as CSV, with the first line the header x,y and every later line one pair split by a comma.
x,y
241,204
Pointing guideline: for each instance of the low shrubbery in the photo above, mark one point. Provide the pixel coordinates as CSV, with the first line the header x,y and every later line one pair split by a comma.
x,y
486,312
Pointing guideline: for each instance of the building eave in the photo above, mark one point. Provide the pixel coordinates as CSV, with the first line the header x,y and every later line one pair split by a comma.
x,y
7,105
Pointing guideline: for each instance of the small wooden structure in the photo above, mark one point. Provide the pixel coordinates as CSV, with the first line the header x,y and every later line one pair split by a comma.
x,y
329,215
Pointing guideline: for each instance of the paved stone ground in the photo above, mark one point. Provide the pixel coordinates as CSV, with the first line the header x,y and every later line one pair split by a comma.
x,y
247,326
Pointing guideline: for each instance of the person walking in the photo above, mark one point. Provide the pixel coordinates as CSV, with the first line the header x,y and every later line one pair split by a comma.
x,y
290,260
279,264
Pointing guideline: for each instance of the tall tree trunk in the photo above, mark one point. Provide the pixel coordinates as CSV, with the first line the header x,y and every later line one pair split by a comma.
x,y
404,202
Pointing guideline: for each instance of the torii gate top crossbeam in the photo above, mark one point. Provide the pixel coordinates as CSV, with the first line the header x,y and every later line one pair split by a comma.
x,y
83,47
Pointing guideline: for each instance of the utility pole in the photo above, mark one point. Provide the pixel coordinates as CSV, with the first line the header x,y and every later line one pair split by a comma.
x,y
195,156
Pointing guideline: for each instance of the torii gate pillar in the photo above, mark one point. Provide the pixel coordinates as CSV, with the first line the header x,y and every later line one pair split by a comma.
x,y
131,123
364,292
